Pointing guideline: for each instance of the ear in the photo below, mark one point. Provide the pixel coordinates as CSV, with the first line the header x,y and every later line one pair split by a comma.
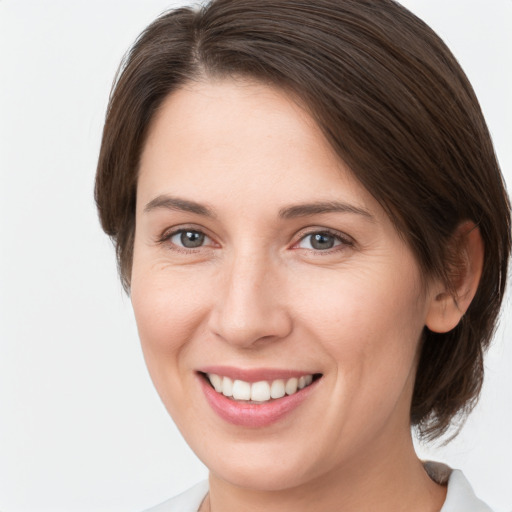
x,y
449,301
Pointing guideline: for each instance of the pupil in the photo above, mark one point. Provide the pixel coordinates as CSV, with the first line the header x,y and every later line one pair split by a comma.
x,y
192,239
322,241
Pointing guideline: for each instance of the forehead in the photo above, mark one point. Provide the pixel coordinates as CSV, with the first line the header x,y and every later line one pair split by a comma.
x,y
211,138
232,117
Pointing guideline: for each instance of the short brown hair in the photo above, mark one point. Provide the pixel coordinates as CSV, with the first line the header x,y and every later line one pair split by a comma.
x,y
396,107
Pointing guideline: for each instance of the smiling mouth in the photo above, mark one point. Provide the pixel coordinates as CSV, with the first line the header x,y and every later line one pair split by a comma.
x,y
258,392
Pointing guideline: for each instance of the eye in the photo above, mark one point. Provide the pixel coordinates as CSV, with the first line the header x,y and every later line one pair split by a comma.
x,y
321,241
189,238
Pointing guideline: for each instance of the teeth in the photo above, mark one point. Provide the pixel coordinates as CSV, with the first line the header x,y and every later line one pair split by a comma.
x,y
241,390
216,382
227,386
277,389
261,391
291,386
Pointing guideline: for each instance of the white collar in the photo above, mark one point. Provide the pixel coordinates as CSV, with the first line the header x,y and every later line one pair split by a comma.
x,y
459,498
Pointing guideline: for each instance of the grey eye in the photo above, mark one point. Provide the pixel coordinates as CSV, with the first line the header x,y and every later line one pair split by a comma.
x,y
189,239
319,241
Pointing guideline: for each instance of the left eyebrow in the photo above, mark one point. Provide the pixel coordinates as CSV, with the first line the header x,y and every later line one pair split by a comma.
x,y
304,210
178,204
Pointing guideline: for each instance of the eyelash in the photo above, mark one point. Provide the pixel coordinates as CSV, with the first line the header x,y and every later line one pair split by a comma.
x,y
344,240
166,236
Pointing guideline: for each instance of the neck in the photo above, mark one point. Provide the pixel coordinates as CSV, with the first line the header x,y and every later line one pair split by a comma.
x,y
382,479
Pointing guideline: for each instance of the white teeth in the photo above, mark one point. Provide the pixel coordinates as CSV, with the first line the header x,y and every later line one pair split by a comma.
x,y
227,386
216,382
291,386
241,390
261,391
277,389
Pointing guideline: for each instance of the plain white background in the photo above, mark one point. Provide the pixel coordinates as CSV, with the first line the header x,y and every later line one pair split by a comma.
x,y
81,428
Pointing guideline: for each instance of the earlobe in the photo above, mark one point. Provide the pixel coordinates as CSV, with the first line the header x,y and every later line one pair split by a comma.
x,y
449,301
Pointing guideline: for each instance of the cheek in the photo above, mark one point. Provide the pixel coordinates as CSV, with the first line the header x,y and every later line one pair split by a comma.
x,y
362,305
166,320
168,314
370,330
370,325
166,302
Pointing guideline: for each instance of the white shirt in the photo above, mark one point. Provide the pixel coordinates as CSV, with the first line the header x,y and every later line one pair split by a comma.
x,y
459,498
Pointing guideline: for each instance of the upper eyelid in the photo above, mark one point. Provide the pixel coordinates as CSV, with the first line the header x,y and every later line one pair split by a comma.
x,y
169,232
345,243
303,233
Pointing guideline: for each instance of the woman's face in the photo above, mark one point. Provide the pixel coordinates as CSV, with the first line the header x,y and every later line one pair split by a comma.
x,y
260,259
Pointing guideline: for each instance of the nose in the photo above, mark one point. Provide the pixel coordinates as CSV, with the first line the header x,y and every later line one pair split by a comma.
x,y
250,308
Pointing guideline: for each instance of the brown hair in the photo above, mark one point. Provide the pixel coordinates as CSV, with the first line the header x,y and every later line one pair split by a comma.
x,y
395,106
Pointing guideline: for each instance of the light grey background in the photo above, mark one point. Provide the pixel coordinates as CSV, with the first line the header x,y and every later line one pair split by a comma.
x,y
81,428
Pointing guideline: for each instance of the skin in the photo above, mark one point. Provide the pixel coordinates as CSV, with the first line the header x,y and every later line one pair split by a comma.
x,y
257,294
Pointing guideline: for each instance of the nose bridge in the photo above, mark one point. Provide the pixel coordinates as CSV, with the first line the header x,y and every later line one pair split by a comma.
x,y
249,308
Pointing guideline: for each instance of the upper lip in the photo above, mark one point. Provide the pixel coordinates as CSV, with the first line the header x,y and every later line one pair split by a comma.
x,y
255,374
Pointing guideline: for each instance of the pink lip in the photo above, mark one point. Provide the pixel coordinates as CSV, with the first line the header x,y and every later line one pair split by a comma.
x,y
254,374
253,415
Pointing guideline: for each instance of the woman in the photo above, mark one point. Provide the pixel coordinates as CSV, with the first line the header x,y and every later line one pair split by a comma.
x,y
314,231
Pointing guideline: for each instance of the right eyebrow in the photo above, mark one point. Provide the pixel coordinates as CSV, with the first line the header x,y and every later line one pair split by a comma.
x,y
178,204
318,208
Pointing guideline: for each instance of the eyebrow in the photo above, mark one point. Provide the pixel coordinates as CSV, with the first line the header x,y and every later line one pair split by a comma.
x,y
178,204
304,210
289,212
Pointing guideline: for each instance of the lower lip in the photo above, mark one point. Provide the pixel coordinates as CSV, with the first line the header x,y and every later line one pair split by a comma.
x,y
254,415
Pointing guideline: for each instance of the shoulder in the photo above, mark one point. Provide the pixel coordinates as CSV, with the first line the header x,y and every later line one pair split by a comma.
x,y
460,495
188,501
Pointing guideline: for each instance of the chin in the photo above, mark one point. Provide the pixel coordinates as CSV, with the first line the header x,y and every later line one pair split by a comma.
x,y
260,478
260,468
